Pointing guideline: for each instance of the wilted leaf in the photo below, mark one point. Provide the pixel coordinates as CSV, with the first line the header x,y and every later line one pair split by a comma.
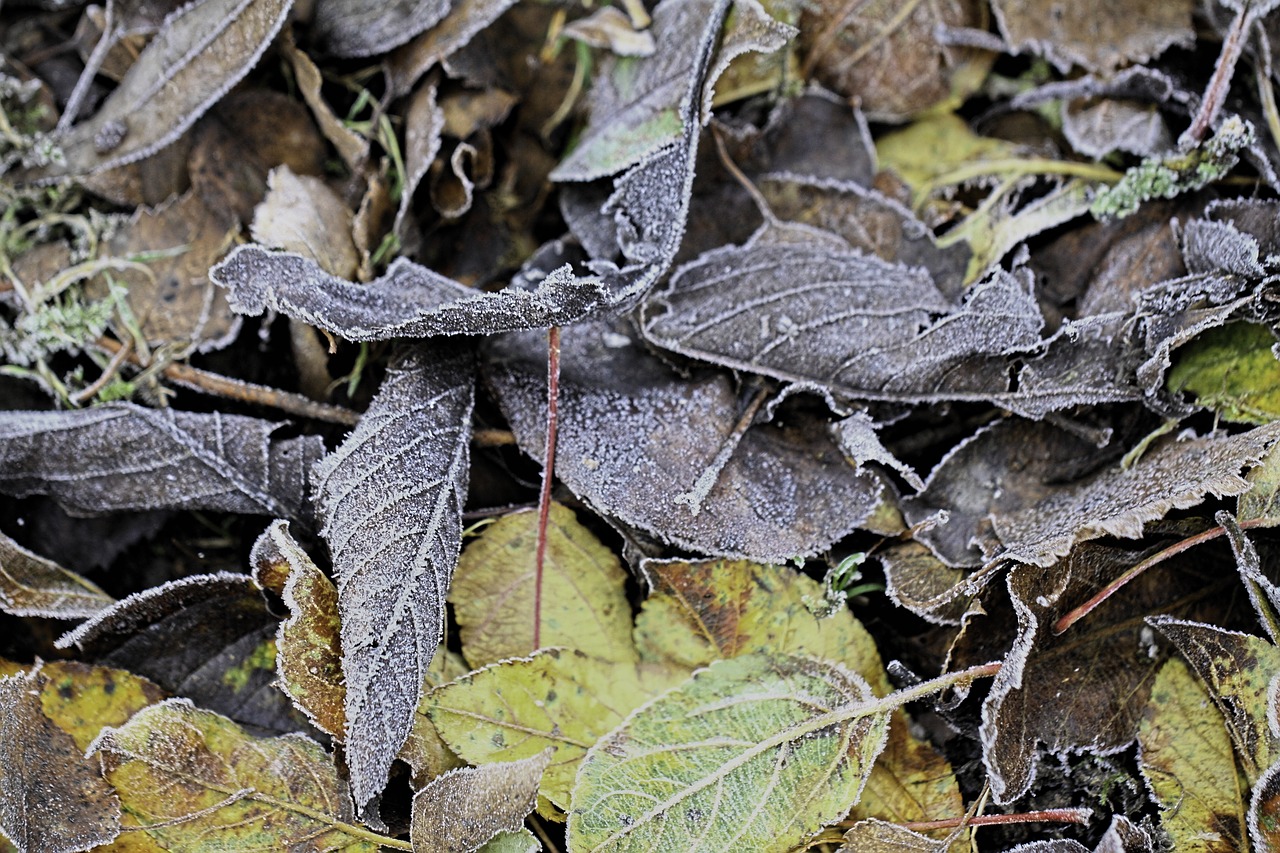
x,y
859,442
926,152
521,841
878,836
201,51
1238,670
209,638
917,580
424,122
408,62
391,498
1096,128
1187,762
609,28
122,457
308,647
424,750
584,601
51,797
890,56
302,214
463,809
557,697
758,752
1233,371
1099,36
1085,690
367,27
196,781
409,301
351,146
633,438
30,585
638,104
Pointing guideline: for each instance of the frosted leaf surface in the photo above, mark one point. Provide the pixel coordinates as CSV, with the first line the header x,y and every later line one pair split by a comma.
x,y
408,301
31,585
462,810
633,437
368,27
391,499
128,457
1097,37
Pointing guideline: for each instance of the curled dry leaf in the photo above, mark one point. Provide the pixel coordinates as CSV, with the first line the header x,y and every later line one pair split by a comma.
x,y
634,438
124,457
391,499
409,301
308,642
200,52
758,752
52,798
465,808
424,122
30,585
185,775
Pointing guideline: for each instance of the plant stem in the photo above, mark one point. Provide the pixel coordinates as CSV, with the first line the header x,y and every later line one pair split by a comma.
x,y
548,471
1043,816
1216,92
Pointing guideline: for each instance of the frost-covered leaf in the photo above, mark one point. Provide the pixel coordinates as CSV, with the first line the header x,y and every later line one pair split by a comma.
x,y
1264,811
878,836
859,441
891,56
916,579
1263,498
51,797
454,31
424,750
308,646
634,438
391,499
1233,371
207,637
1098,36
201,51
424,122
758,752
462,810
302,214
637,103
368,27
30,585
1238,670
195,781
1085,690
1187,762
1098,127
584,600
82,699
125,457
408,301
557,697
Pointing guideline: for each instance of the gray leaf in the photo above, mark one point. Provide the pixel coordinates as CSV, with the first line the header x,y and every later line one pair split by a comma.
x,y
366,27
462,810
30,585
201,51
126,457
391,498
408,301
635,440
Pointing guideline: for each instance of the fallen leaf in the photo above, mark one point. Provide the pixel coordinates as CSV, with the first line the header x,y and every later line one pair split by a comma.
x,y
424,750
1264,811
1187,762
366,27
194,780
52,798
758,752
464,809
563,698
1098,127
391,499
1262,500
424,122
30,585
584,601
634,438
123,457
82,699
878,836
455,30
1095,36
351,146
609,28
1233,371
302,214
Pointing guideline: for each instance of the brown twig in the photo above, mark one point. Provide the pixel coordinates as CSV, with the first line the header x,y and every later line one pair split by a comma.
x,y
548,469
1042,816
1215,93
113,367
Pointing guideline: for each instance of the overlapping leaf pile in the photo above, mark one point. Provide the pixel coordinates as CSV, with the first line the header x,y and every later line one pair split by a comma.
x,y
986,290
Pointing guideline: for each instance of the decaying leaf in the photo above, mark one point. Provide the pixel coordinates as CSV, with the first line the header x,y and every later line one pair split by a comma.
x,y
463,809
308,644
200,52
758,752
391,499
584,602
366,27
1233,371
51,797
634,438
123,457
878,836
194,780
1095,36
30,585
409,301
465,18
424,123
1264,811
302,214
557,697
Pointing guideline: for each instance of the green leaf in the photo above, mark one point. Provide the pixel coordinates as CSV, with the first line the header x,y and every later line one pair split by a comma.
x,y
195,781
1263,498
1233,371
557,697
1187,762
755,753
584,601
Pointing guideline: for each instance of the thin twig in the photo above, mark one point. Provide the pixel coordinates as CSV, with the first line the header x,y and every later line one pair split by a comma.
x,y
1215,93
1067,815
113,367
548,471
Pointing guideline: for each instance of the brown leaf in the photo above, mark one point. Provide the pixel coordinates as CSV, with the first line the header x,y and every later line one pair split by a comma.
x,y
302,214
351,146
465,18
367,27
424,122
462,810
30,585
1098,36
52,799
